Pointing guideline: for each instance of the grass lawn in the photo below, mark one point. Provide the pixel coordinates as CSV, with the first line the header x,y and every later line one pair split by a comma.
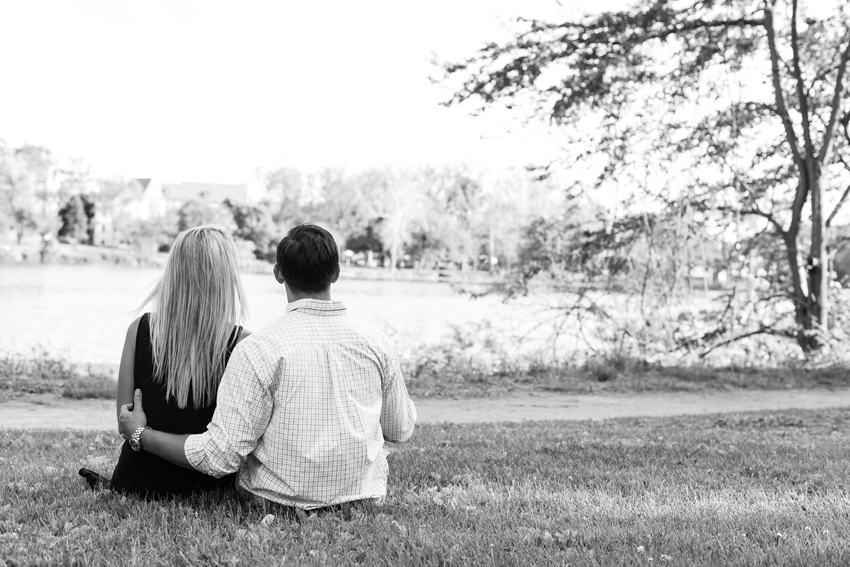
x,y
741,489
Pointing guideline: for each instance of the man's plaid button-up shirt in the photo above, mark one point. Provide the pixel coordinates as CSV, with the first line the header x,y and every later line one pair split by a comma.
x,y
304,407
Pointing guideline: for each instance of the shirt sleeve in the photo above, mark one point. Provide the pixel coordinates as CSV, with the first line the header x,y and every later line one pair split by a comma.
x,y
243,410
398,414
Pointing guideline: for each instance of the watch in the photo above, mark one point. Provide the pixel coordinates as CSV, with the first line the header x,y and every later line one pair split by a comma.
x,y
136,438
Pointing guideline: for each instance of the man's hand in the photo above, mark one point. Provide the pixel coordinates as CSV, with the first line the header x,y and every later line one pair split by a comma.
x,y
132,416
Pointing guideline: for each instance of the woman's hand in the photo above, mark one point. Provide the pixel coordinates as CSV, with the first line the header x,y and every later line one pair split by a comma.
x,y
132,416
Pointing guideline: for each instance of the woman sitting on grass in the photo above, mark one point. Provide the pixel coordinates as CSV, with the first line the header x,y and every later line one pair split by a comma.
x,y
176,355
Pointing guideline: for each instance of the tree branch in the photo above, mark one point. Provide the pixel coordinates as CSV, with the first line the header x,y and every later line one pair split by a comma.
x,y
691,25
835,105
838,206
759,331
844,195
801,87
757,212
777,87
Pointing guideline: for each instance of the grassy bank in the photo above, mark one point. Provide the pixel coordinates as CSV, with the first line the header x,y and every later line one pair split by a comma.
x,y
40,372
445,371
734,490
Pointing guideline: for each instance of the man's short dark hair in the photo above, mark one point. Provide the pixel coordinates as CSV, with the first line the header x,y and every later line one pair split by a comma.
x,y
308,258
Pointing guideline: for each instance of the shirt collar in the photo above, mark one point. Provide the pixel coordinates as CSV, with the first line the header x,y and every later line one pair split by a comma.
x,y
317,307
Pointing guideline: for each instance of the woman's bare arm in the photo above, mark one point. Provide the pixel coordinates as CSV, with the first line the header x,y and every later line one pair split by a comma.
x,y
126,379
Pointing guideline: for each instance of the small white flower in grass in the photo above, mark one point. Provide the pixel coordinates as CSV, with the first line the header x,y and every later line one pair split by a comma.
x,y
267,520
401,529
665,557
641,549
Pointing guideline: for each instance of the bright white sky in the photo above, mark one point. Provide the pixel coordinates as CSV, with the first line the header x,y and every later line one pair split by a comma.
x,y
209,91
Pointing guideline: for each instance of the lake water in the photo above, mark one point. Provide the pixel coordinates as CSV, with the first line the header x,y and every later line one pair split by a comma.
x,y
82,312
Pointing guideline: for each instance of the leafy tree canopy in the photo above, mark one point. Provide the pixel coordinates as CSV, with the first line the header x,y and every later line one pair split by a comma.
x,y
714,120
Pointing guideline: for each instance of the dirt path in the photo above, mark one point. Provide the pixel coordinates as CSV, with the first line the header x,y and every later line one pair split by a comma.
x,y
54,413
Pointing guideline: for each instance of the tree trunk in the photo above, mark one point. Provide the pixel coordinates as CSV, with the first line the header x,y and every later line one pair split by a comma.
x,y
394,257
818,267
802,305
491,248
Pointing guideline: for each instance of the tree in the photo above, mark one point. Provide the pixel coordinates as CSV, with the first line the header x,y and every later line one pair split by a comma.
x,y
286,196
254,224
366,240
28,205
74,221
13,211
196,213
713,112
398,206
89,209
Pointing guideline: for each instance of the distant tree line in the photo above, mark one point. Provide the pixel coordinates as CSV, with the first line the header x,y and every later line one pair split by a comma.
x,y
429,217
451,217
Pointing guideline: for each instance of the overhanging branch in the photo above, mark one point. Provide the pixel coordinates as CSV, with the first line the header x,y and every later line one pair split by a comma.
x,y
756,211
778,94
760,331
835,108
843,198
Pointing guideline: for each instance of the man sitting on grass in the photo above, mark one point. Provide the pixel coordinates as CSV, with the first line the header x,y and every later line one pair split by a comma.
x,y
305,405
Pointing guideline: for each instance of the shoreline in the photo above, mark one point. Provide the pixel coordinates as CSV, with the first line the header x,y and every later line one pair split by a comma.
x,y
83,254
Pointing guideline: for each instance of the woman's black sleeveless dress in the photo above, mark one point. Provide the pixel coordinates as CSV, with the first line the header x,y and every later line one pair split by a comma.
x,y
143,474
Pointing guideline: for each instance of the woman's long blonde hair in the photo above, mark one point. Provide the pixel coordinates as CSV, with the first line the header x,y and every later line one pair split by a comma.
x,y
196,304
